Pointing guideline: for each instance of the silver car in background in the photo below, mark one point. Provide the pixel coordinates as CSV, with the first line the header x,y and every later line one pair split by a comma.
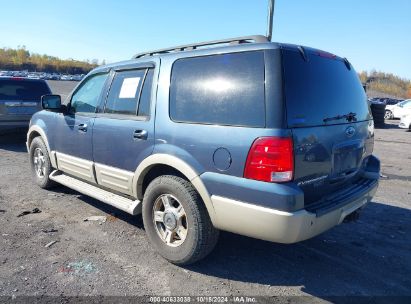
x,y
20,98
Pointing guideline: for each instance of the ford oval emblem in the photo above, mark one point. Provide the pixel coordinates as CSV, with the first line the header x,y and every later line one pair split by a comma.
x,y
350,131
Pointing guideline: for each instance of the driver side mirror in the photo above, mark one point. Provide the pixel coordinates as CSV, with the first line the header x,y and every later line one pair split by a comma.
x,y
51,102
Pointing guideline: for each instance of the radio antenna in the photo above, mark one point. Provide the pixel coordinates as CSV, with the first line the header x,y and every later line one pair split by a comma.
x,y
270,19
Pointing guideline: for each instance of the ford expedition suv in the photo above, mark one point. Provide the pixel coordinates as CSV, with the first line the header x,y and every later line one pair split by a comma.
x,y
267,140
20,98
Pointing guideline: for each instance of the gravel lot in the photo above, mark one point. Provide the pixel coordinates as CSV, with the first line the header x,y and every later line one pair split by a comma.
x,y
369,257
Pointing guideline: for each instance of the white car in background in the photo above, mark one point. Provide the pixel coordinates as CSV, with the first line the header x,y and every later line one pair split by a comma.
x,y
405,122
397,110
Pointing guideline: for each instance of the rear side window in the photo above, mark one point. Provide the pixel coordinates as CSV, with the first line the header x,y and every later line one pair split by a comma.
x,y
124,92
130,93
22,90
321,88
145,99
223,89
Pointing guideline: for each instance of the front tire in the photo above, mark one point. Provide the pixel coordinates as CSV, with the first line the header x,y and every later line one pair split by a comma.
x,y
176,221
40,163
388,114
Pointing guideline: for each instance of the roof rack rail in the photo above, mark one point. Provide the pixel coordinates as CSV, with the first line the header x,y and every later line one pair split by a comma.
x,y
189,47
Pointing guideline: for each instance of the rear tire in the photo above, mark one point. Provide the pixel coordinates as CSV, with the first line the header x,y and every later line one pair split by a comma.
x,y
176,221
378,113
40,164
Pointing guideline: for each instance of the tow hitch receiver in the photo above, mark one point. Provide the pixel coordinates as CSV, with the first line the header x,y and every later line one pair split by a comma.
x,y
352,217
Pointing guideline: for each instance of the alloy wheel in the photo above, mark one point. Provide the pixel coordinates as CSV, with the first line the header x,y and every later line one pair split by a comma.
x,y
39,163
170,220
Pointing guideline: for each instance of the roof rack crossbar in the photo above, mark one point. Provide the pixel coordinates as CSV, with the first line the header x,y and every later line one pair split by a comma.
x,y
189,47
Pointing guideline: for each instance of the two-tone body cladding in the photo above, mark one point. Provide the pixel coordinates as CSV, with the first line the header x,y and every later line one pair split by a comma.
x,y
262,139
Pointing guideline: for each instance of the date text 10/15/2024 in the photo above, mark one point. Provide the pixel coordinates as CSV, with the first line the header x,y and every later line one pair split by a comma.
x,y
202,299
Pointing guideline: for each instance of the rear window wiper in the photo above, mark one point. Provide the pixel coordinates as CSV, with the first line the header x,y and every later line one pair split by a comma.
x,y
350,117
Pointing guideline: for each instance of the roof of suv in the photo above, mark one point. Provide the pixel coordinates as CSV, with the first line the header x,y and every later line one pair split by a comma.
x,y
248,43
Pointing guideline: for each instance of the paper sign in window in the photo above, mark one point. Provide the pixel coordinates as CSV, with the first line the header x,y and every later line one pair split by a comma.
x,y
129,87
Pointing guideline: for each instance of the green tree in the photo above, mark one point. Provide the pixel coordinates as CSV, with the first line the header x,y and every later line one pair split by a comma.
x,y
21,59
386,83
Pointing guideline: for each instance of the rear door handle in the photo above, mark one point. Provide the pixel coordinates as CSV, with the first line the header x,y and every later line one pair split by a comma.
x,y
82,127
140,134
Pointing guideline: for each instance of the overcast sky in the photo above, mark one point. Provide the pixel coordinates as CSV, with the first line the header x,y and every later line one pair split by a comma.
x,y
372,34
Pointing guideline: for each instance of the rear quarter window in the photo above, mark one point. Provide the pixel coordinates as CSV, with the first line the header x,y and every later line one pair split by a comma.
x,y
223,89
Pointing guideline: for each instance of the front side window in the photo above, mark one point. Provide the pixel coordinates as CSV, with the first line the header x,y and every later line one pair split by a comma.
x,y
124,92
87,97
223,89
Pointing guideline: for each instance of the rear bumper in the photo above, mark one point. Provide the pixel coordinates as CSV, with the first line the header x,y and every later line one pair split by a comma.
x,y
280,226
14,124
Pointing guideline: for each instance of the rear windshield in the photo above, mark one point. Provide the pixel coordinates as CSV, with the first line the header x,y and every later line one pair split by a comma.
x,y
319,88
22,89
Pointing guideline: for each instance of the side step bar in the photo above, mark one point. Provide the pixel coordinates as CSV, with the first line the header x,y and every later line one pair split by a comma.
x,y
120,202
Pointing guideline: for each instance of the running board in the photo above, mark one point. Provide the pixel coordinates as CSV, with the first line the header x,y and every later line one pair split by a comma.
x,y
118,201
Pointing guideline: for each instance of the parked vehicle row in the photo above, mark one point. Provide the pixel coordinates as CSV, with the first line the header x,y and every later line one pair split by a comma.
x,y
398,110
390,108
42,75
386,101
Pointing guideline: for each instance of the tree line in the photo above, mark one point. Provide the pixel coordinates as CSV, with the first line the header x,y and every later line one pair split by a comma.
x,y
21,59
386,83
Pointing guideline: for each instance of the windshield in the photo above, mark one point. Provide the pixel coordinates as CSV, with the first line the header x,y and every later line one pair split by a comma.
x,y
22,89
322,90
404,102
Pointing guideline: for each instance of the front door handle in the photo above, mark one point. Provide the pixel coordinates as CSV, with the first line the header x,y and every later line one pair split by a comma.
x,y
82,127
140,134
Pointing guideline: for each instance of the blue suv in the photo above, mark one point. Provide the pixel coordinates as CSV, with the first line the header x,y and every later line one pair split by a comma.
x,y
20,98
267,140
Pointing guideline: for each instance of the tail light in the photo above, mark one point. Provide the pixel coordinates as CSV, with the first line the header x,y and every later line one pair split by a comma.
x,y
270,159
